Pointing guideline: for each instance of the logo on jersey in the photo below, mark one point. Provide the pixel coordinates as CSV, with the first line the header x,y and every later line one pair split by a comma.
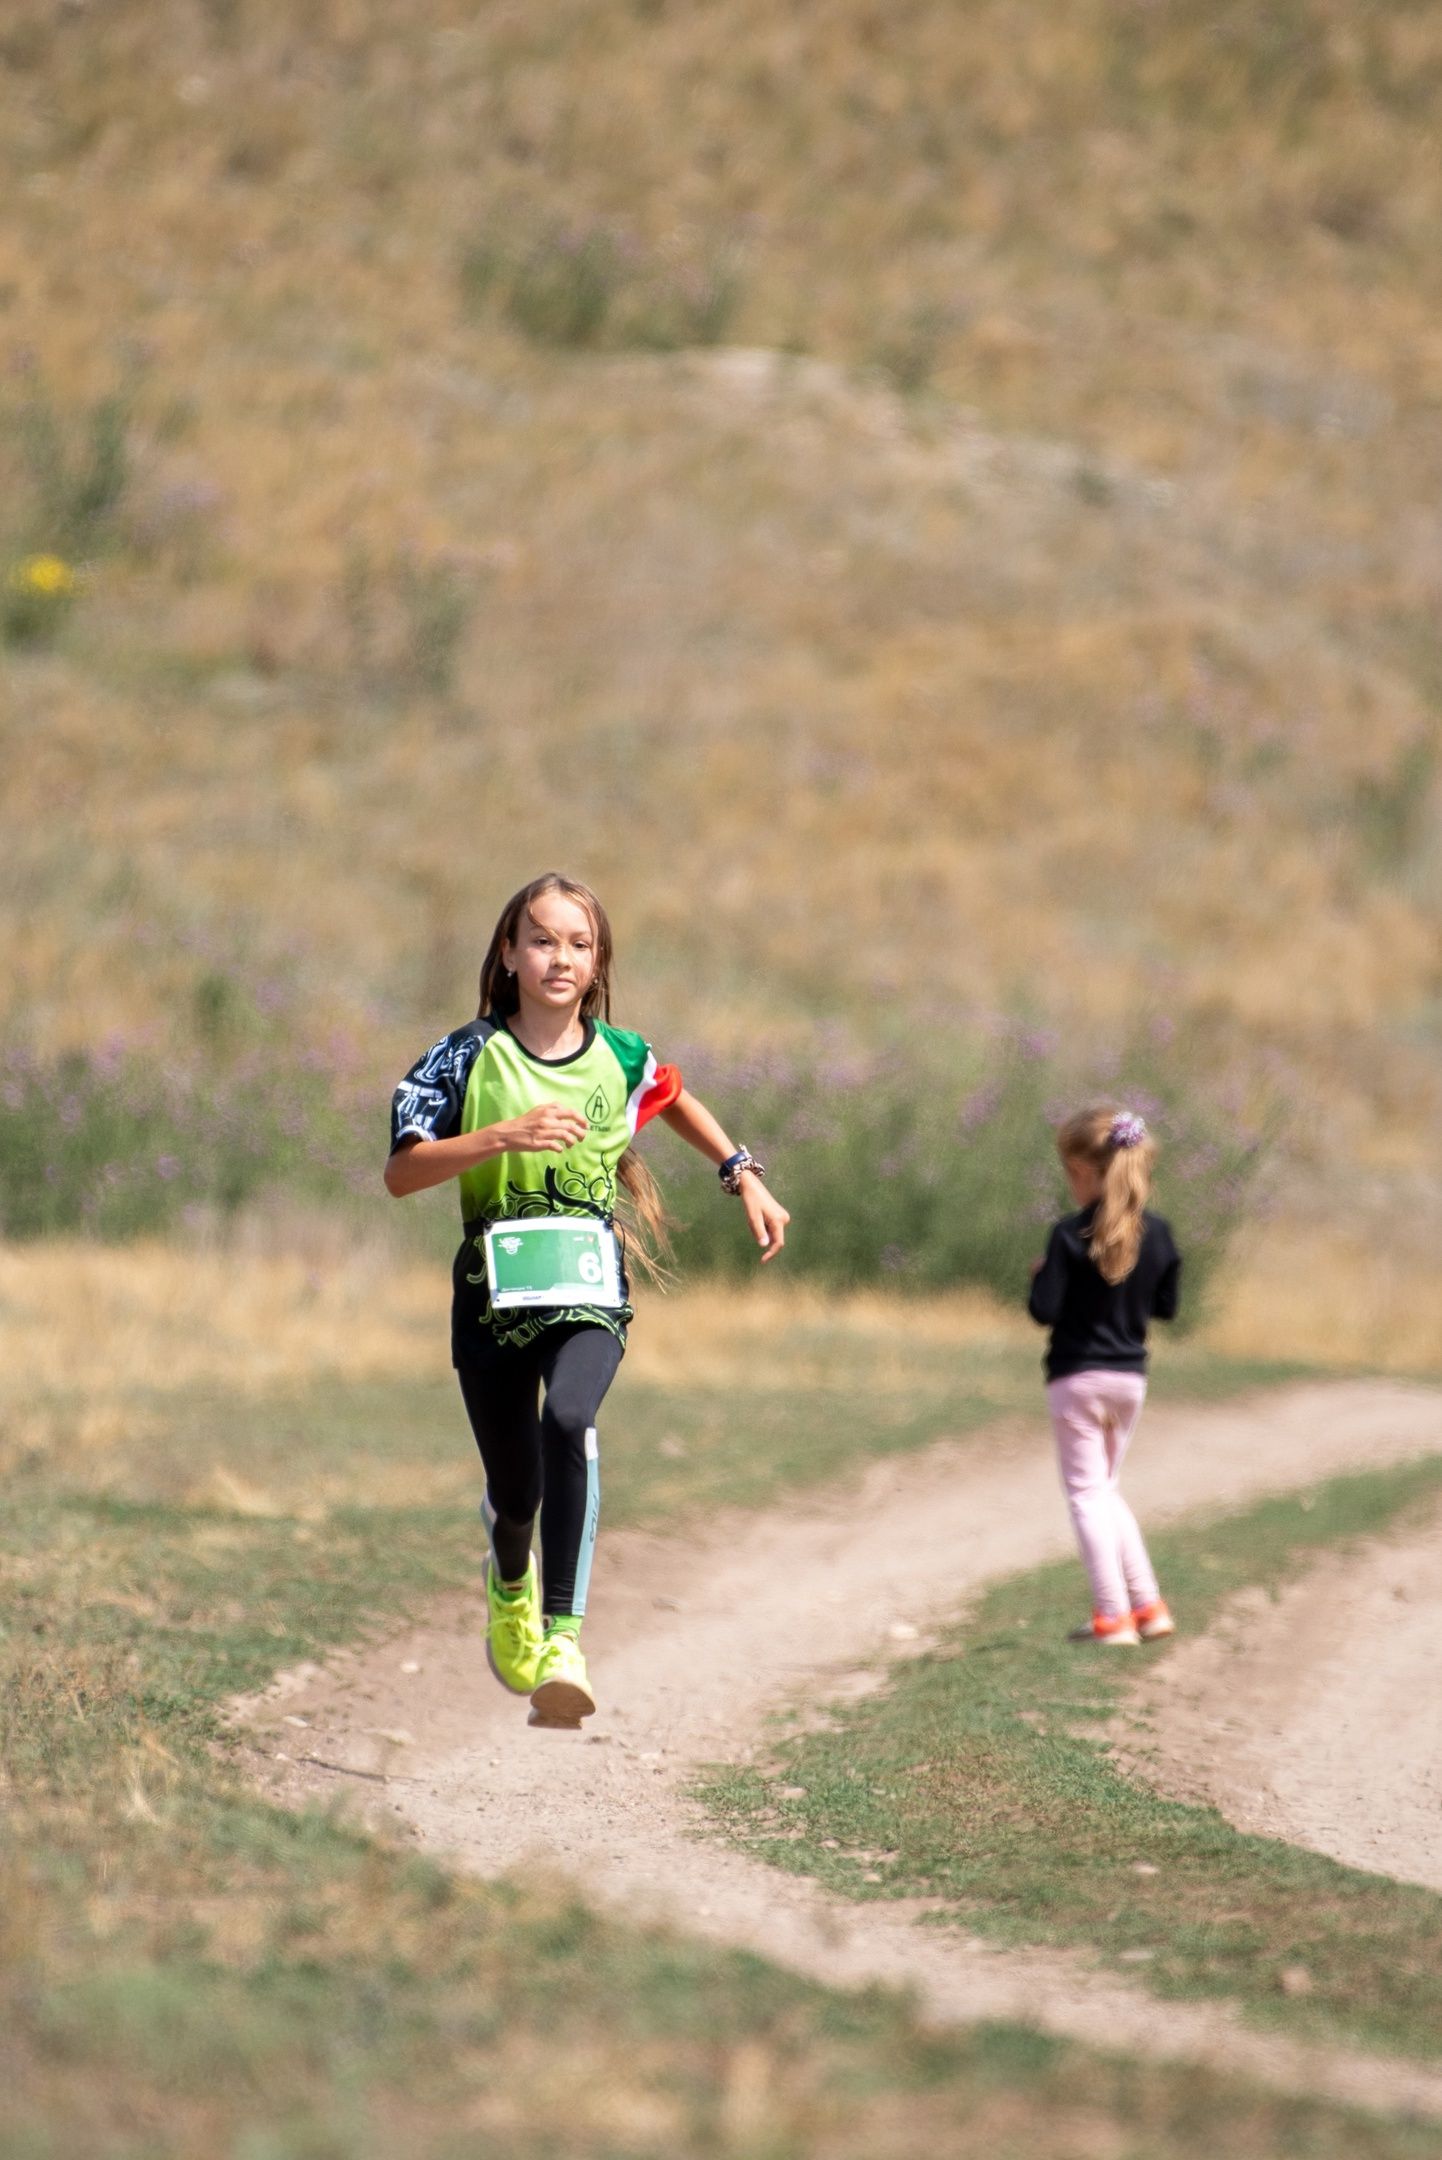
x,y
598,1109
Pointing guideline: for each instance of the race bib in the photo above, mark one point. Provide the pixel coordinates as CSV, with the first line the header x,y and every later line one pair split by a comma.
x,y
553,1260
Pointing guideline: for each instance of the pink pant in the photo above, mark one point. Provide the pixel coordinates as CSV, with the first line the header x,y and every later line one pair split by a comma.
x,y
1094,1415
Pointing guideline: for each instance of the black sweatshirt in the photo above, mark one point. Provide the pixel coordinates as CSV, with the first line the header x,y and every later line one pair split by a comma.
x,y
1093,1322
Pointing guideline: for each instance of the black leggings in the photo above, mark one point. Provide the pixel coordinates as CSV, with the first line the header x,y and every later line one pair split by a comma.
x,y
543,1455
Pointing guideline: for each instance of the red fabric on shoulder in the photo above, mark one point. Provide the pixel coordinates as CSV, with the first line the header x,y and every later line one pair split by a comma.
x,y
660,1095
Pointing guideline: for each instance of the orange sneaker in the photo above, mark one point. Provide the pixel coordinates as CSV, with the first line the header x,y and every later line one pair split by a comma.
x,y
1112,1628
1152,1622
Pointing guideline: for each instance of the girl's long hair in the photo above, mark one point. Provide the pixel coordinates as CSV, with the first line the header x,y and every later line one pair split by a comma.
x,y
649,1223
1090,1136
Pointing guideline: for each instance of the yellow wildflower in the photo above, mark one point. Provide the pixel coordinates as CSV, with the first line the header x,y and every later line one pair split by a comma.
x,y
43,574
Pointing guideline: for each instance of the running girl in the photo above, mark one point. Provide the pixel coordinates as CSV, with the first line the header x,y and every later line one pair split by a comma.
x,y
1108,1271
532,1106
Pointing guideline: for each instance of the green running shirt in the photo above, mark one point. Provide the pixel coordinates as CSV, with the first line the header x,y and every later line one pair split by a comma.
x,y
480,1074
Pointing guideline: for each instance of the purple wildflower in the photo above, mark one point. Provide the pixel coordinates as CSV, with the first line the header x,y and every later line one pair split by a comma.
x,y
980,1106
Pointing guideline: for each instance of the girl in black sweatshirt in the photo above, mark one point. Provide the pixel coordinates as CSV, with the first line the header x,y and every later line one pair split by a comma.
x,y
1109,1270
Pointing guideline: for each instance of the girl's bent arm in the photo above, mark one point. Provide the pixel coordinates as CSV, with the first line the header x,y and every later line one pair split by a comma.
x,y
418,1164
1165,1296
765,1216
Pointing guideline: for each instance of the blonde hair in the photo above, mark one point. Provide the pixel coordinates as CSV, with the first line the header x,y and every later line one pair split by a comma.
x,y
648,1221
1117,1144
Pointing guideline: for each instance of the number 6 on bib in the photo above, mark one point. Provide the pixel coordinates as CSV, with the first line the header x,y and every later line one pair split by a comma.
x,y
553,1260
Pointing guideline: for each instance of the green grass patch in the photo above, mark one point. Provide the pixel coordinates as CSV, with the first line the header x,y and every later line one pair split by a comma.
x,y
591,287
382,2011
981,1777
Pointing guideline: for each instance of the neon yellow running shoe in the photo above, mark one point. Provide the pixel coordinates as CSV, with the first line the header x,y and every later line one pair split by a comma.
x,y
513,1636
562,1693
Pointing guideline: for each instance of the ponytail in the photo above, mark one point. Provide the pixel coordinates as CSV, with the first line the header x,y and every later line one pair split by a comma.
x,y
644,1214
1117,1144
1117,1230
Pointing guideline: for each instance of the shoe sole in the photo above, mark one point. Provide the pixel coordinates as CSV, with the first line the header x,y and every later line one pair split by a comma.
x,y
561,1703
1108,1642
1158,1634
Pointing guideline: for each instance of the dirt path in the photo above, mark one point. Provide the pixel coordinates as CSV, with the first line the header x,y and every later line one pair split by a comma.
x,y
693,1641
1317,1717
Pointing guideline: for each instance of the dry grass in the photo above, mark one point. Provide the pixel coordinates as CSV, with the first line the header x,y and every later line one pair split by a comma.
x,y
96,1343
1099,674
166,1318
154,1319
1332,1300
252,1385
773,1334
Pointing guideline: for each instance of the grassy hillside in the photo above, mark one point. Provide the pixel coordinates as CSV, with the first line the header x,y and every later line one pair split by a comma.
x,y
931,509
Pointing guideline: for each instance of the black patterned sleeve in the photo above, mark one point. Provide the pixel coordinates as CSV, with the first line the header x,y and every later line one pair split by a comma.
x,y
427,1105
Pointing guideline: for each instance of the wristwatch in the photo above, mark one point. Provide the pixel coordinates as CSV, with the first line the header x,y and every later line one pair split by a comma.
x,y
730,1171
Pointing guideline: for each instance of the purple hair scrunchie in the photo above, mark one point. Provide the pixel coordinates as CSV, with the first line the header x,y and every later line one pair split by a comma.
x,y
1128,1130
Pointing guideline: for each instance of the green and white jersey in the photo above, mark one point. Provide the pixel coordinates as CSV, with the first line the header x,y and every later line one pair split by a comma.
x,y
480,1075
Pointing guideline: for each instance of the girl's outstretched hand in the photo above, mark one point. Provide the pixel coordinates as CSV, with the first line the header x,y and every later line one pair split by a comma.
x,y
765,1215
546,1130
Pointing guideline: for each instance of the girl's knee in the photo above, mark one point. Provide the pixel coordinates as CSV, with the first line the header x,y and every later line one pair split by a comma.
x,y
1089,1499
565,1423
